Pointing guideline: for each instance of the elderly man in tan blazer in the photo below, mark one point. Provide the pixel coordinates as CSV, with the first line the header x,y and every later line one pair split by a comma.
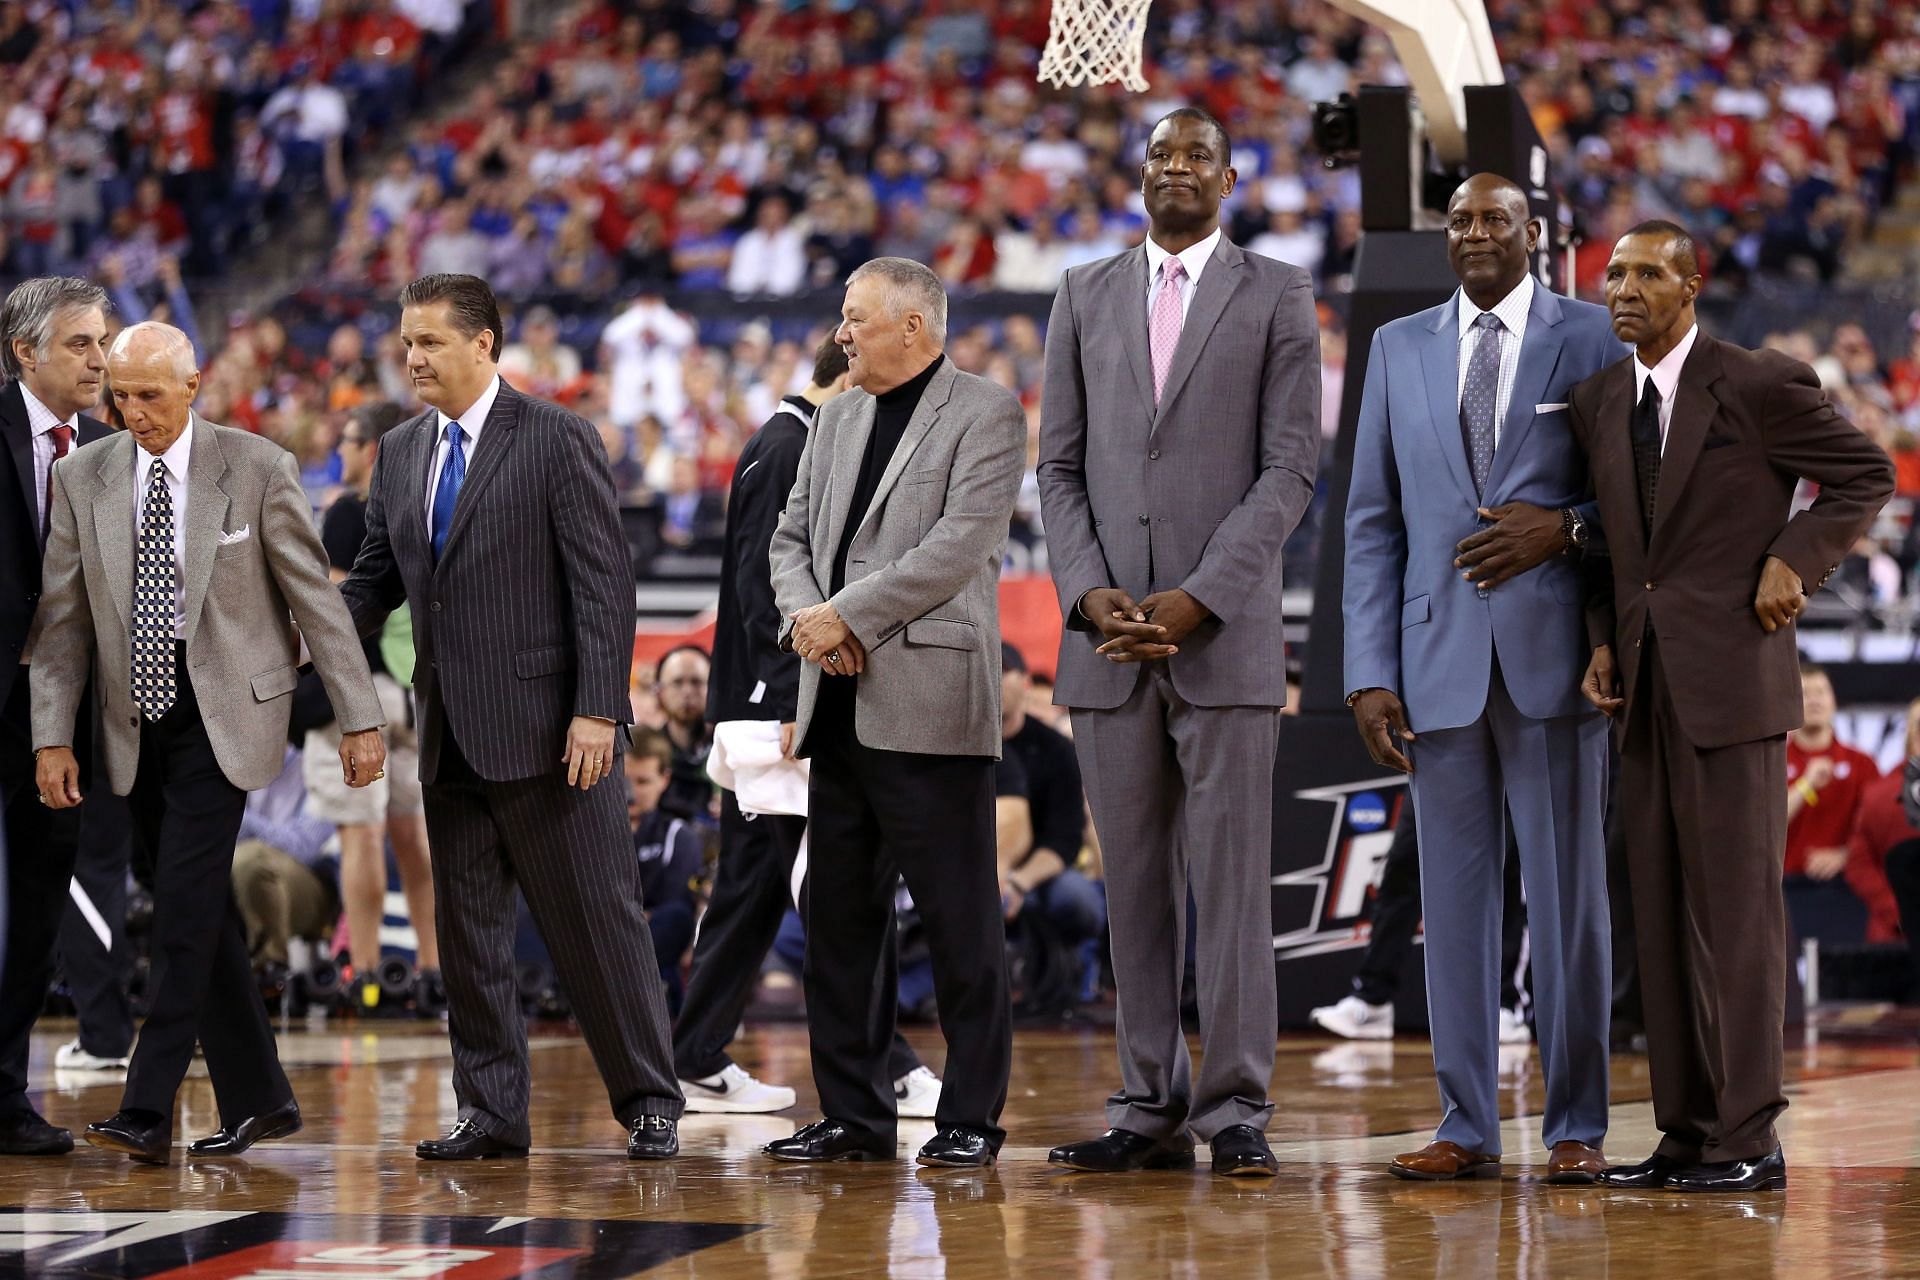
x,y
182,557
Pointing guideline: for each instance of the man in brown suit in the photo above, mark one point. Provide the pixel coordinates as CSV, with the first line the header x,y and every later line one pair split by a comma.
x,y
1696,447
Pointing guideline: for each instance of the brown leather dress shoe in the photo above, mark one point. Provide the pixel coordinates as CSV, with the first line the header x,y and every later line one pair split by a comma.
x,y
1575,1164
1443,1162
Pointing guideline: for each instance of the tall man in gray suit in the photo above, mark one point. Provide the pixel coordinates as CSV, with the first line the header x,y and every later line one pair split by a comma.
x,y
886,567
492,516
1177,452
1464,625
181,558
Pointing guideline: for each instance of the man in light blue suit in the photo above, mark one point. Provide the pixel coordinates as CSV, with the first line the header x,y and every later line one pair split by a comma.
x,y
1464,628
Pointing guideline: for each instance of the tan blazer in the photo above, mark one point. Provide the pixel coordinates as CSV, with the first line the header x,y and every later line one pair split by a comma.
x,y
922,593
244,596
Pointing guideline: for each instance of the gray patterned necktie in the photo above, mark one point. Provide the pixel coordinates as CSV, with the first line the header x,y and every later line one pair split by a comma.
x,y
1480,399
153,688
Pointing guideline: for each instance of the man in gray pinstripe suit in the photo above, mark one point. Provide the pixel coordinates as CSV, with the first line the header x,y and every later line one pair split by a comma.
x,y
492,515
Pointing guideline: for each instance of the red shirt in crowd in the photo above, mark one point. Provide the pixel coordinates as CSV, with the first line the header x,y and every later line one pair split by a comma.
x,y
1880,824
1828,823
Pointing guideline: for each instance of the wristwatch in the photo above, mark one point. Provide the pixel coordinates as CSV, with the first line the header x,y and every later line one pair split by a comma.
x,y
1573,530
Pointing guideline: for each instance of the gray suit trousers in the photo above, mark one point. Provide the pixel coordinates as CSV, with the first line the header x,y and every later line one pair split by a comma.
x,y
1552,776
571,854
1185,794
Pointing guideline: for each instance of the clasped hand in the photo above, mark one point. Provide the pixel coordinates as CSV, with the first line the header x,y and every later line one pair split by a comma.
x,y
1142,631
824,639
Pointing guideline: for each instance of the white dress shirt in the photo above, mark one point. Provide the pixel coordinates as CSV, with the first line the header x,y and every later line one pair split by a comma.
x,y
1512,310
1194,258
175,461
470,424
40,424
1666,378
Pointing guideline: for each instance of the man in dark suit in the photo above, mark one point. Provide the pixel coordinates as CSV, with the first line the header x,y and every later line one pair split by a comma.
x,y
53,333
1695,447
1181,435
886,565
492,516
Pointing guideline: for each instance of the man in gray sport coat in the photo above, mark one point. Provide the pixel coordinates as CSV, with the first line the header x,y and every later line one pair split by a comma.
x,y
886,565
1177,452
181,557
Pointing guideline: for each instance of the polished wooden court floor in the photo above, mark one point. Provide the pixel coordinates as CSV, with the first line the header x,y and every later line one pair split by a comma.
x,y
347,1200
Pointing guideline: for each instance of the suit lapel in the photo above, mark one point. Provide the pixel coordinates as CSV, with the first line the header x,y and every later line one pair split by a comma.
x,y
1440,361
1217,286
1612,459
207,504
1694,408
1539,355
13,423
496,438
113,520
925,414
849,447
1131,304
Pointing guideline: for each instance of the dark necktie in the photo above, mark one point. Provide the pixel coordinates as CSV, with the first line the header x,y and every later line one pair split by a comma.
x,y
1480,399
453,472
1646,451
62,441
153,689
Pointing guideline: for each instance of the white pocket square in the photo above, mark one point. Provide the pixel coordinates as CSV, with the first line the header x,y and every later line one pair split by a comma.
x,y
1547,408
241,534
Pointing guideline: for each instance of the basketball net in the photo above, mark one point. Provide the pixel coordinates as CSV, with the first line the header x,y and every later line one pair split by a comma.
x,y
1095,42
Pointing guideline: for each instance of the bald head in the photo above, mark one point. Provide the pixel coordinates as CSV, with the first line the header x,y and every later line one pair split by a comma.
x,y
1490,237
155,378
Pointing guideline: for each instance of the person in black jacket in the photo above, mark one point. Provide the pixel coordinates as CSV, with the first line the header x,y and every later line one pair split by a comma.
x,y
751,679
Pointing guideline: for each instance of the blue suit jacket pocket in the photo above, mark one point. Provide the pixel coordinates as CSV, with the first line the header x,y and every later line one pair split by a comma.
x,y
1415,611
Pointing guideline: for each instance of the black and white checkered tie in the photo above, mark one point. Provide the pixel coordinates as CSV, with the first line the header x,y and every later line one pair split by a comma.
x,y
153,688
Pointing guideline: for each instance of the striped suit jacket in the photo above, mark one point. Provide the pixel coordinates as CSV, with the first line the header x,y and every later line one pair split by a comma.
x,y
527,619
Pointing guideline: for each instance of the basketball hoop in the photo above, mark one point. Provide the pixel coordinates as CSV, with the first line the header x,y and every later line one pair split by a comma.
x,y
1095,42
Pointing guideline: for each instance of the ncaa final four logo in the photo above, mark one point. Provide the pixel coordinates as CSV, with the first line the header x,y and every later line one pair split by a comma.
x,y
1361,821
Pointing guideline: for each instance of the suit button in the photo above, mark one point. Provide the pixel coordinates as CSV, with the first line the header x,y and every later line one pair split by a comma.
x,y
1651,585
133,722
1144,520
434,607
1154,454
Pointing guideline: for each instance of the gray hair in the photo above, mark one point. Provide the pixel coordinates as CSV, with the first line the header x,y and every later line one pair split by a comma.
x,y
31,308
911,286
171,342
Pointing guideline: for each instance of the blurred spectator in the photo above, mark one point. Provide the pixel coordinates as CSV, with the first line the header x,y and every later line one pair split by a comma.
x,y
771,258
681,690
539,363
1884,846
671,857
646,344
1826,780
284,868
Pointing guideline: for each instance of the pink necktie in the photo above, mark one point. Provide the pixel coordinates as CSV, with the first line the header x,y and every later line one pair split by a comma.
x,y
1163,329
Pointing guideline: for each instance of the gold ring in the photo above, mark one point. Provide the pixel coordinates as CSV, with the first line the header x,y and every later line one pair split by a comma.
x,y
379,774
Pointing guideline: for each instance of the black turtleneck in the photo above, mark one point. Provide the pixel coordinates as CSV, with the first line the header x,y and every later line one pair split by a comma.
x,y
892,411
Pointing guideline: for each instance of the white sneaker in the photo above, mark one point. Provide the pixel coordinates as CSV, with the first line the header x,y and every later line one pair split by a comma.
x,y
1513,1028
71,1057
1355,1019
733,1090
916,1095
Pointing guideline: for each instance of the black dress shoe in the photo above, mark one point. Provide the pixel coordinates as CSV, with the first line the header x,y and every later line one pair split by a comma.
x,y
24,1133
826,1141
1120,1151
149,1142
958,1148
653,1138
1241,1151
468,1141
1649,1175
280,1122
1768,1173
